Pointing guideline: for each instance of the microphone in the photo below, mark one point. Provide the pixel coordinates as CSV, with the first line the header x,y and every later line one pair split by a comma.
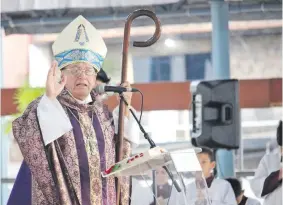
x,y
116,89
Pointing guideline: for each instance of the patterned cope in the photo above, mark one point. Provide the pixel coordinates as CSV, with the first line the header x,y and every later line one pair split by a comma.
x,y
75,171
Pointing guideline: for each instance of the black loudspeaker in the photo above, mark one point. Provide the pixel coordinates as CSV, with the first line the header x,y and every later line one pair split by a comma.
x,y
215,114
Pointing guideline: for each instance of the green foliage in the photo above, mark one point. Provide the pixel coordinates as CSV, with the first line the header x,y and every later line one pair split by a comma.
x,y
23,97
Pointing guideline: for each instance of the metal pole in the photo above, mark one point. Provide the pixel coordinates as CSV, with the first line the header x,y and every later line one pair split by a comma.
x,y
3,155
221,69
241,168
1,124
5,139
154,187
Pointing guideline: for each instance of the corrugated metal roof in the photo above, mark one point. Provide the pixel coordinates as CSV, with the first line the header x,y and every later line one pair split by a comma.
x,y
53,21
20,5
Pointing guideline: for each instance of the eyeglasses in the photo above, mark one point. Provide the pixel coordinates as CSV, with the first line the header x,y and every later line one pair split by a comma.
x,y
76,71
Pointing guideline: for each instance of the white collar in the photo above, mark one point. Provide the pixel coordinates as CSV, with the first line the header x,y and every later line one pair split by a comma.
x,y
87,100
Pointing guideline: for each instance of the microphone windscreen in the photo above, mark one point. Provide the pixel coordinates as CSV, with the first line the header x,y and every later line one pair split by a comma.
x,y
100,89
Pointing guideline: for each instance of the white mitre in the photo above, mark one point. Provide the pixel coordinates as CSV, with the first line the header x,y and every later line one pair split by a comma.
x,y
80,41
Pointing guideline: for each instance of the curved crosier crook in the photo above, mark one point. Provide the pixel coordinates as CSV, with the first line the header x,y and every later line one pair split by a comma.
x,y
142,12
157,32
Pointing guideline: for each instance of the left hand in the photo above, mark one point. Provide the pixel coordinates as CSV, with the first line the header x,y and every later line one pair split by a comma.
x,y
127,95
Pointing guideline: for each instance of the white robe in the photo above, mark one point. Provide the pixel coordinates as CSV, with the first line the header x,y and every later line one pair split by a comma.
x,y
219,193
252,202
268,164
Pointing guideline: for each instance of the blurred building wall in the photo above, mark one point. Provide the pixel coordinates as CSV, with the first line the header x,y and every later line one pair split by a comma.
x,y
254,57
15,59
251,57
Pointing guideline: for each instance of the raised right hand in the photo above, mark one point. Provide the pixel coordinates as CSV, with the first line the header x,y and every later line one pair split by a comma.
x,y
53,87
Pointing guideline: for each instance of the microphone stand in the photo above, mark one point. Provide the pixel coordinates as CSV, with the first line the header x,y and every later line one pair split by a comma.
x,y
152,145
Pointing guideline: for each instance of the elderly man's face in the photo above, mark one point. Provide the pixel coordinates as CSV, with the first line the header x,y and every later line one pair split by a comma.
x,y
81,79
